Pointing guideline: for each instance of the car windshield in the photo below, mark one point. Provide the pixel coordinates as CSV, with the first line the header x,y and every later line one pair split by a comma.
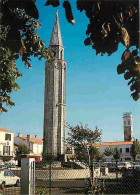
x,y
5,173
8,173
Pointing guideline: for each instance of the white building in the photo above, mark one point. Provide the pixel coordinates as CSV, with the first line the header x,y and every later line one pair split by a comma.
x,y
6,146
123,146
34,144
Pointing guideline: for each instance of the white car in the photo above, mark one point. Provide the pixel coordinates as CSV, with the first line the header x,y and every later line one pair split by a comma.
x,y
3,167
7,178
137,167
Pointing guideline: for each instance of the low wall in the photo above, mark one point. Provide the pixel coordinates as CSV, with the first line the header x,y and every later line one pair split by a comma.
x,y
63,174
58,174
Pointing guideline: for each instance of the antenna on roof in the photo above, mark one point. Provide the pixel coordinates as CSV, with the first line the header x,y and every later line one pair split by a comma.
x,y
35,135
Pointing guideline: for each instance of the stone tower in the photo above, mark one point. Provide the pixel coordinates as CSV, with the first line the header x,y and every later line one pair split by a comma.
x,y
55,98
128,126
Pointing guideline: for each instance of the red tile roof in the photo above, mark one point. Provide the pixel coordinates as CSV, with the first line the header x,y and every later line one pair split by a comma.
x,y
5,130
114,143
33,139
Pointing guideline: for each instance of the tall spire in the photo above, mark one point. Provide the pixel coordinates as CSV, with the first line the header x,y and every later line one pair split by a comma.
x,y
56,38
55,97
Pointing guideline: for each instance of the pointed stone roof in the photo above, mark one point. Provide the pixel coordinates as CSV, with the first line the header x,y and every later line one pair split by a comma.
x,y
56,38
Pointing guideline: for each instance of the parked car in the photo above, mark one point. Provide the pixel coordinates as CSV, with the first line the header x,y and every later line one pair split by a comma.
x,y
137,167
7,178
11,166
3,167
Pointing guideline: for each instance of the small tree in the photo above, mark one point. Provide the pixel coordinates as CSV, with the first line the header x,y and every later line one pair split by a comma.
x,y
22,149
95,154
114,152
82,138
108,152
135,149
116,155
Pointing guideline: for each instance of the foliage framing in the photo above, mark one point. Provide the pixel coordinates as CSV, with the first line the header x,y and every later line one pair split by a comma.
x,y
111,23
18,37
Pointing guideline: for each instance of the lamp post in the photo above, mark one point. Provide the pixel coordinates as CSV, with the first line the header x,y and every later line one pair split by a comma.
x,y
88,155
91,166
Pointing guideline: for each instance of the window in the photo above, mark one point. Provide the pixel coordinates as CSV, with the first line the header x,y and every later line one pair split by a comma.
x,y
6,150
6,173
128,122
124,123
11,174
61,55
8,137
120,150
127,150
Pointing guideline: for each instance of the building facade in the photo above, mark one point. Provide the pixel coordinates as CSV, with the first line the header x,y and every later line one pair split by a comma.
x,y
123,146
6,145
34,144
55,98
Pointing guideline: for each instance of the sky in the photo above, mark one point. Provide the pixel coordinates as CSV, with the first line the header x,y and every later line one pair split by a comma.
x,y
95,94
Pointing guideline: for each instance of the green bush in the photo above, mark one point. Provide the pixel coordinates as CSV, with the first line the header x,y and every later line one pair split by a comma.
x,y
41,192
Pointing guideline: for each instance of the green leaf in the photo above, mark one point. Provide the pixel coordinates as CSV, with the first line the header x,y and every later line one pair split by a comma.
x,y
3,109
16,86
11,103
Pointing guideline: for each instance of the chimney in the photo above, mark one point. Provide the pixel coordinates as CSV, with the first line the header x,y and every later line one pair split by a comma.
x,y
28,138
19,134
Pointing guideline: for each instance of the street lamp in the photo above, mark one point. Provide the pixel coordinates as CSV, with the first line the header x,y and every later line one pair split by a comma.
x,y
91,167
87,146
